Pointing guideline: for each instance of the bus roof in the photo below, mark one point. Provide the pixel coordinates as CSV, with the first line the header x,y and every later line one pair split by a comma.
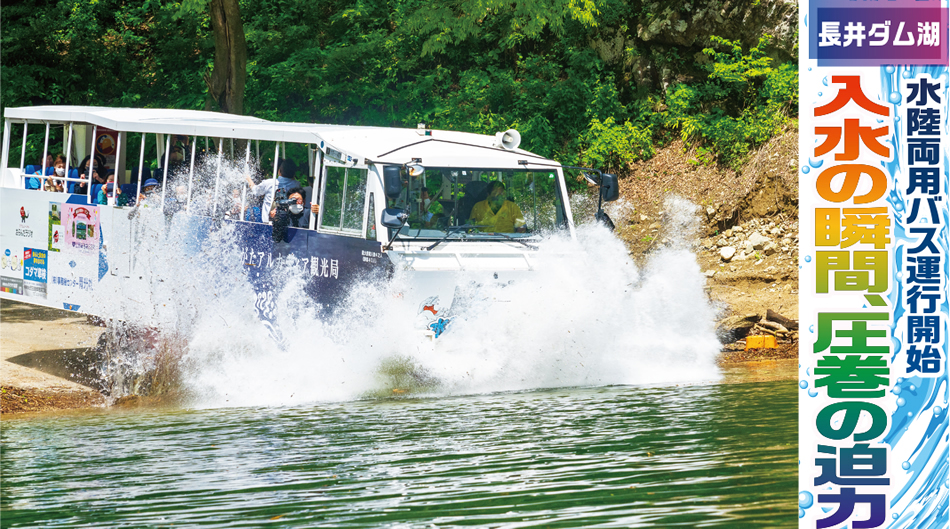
x,y
353,144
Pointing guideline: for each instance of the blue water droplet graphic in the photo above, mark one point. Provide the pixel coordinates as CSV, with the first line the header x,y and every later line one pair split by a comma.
x,y
807,370
901,402
897,390
807,258
825,81
801,512
806,169
938,410
900,380
905,465
894,515
889,69
912,387
805,499
909,414
819,94
803,384
812,392
906,74
811,329
894,97
815,163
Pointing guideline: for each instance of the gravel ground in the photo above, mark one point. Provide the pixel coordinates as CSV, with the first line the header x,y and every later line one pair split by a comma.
x,y
40,349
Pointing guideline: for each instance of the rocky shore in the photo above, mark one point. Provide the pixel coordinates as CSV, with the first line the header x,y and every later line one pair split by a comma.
x,y
747,245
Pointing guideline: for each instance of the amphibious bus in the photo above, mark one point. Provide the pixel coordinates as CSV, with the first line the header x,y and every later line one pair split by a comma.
x,y
420,202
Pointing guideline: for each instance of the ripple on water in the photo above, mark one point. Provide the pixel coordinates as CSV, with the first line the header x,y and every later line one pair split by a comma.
x,y
618,456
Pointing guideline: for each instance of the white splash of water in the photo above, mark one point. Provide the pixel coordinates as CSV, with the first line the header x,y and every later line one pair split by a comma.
x,y
585,316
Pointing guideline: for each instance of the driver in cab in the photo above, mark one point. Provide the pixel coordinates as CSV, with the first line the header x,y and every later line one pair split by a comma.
x,y
497,213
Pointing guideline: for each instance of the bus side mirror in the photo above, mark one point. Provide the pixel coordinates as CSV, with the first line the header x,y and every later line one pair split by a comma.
x,y
609,187
392,183
394,217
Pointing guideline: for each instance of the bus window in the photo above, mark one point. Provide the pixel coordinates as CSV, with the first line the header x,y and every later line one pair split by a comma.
x,y
371,219
343,203
354,201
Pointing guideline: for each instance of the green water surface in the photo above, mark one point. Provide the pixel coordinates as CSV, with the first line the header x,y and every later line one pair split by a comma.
x,y
693,456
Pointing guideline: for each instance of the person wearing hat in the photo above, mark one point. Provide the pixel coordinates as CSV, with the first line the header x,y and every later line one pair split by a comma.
x,y
149,188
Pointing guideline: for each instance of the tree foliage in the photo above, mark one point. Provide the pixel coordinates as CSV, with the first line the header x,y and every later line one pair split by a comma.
x,y
578,78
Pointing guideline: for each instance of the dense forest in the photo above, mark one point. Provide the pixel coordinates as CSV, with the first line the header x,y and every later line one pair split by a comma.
x,y
588,82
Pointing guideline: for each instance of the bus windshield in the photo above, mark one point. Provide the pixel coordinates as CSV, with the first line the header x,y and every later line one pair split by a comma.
x,y
481,203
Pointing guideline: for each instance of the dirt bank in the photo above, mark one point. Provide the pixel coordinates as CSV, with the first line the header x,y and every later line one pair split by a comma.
x,y
42,363
747,245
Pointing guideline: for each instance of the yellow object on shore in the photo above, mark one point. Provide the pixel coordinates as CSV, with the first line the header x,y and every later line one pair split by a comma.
x,y
756,342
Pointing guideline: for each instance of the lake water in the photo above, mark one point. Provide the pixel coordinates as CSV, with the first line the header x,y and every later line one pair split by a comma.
x,y
714,455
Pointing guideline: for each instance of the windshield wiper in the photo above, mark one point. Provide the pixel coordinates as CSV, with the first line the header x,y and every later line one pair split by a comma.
x,y
510,238
451,230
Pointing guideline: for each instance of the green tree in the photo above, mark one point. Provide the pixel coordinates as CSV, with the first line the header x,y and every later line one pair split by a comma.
x,y
227,78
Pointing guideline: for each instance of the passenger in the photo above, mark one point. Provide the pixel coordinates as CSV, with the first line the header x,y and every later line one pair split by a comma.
x,y
431,210
496,213
81,187
106,193
59,170
177,201
234,211
177,159
252,212
108,197
49,165
285,182
98,175
176,163
150,191
287,212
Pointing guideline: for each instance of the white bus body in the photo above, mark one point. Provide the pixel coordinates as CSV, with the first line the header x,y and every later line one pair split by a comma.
x,y
66,250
